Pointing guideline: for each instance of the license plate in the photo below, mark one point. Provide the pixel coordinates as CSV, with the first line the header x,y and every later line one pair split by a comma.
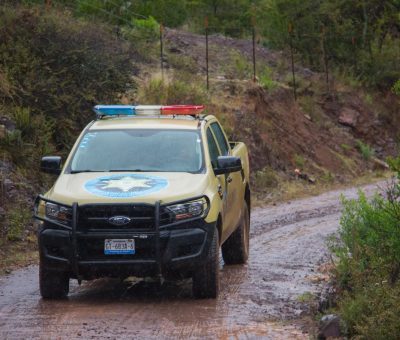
x,y
119,246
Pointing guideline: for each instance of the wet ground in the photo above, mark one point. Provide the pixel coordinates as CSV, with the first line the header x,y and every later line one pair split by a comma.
x,y
263,299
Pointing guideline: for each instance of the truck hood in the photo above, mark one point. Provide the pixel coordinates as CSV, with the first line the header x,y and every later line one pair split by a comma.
x,y
104,187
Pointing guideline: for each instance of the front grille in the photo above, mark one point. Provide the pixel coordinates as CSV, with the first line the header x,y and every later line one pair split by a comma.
x,y
142,217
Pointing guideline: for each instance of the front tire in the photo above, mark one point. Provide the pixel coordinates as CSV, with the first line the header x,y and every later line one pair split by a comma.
x,y
206,278
53,284
235,250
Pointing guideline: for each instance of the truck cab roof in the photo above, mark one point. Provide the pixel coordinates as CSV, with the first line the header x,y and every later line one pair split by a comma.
x,y
134,122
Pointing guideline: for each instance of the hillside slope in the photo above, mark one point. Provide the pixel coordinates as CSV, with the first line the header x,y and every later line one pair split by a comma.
x,y
334,136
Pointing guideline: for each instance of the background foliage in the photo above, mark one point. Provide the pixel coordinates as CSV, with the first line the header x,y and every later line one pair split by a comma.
x,y
362,37
55,66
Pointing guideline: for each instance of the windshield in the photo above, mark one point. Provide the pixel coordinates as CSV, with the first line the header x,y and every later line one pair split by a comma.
x,y
139,150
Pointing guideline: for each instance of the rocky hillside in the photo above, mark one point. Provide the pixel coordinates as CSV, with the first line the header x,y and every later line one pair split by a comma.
x,y
331,136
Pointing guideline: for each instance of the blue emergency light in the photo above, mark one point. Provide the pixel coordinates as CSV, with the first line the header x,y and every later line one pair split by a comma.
x,y
114,110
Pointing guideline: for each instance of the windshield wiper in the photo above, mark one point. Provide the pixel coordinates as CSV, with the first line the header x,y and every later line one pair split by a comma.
x,y
79,171
132,170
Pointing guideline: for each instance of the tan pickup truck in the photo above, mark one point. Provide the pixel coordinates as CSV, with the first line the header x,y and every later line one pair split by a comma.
x,y
147,191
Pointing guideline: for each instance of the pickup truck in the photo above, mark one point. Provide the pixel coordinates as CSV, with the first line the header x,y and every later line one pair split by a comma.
x,y
147,191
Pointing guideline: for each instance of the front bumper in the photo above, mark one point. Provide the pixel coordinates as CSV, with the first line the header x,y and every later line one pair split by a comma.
x,y
171,251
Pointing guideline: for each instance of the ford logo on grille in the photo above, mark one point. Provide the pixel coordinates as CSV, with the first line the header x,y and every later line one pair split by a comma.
x,y
119,220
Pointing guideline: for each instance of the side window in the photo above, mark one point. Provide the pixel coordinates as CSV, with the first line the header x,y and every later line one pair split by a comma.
x,y
212,148
223,144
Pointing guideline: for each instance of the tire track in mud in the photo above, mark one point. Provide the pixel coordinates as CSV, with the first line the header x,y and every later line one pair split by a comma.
x,y
258,300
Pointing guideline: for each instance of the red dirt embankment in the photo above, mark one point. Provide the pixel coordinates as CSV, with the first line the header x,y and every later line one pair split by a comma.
x,y
282,135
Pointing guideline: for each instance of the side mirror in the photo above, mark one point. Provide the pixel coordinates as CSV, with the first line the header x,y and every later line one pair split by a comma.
x,y
51,164
228,164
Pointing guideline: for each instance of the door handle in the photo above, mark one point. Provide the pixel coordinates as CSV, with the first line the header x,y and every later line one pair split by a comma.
x,y
229,179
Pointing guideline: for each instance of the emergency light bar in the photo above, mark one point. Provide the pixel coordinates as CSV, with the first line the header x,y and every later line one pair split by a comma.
x,y
147,110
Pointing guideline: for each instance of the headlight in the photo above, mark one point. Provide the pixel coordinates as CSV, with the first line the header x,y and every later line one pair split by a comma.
x,y
190,209
58,213
39,208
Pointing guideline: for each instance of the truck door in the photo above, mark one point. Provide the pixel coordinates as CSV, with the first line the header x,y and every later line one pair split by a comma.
x,y
232,181
214,153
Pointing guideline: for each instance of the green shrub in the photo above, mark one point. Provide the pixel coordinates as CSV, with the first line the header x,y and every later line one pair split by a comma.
x,y
394,164
345,147
143,30
60,66
265,79
182,63
327,177
368,99
18,219
372,312
299,161
13,138
368,267
22,117
175,91
369,232
366,151
266,178
396,88
237,66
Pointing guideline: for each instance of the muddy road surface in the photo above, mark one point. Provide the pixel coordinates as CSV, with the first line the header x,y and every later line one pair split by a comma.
x,y
264,299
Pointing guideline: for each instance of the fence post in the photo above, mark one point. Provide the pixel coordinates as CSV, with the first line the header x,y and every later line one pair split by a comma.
x,y
325,58
161,51
290,30
353,43
206,29
254,48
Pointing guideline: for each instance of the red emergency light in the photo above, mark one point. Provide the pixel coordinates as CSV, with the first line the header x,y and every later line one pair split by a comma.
x,y
182,109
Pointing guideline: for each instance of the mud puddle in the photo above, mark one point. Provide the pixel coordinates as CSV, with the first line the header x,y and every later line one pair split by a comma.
x,y
258,300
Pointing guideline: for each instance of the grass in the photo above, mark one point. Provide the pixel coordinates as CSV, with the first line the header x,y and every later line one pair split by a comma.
x,y
265,79
266,178
348,163
365,150
288,190
347,77
18,219
396,87
14,255
172,91
328,177
306,297
345,147
369,99
237,66
181,62
299,161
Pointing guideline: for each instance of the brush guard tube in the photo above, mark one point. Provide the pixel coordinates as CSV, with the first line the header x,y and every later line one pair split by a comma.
x,y
78,265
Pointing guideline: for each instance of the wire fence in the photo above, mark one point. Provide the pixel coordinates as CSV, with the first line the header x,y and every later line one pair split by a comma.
x,y
320,40
328,50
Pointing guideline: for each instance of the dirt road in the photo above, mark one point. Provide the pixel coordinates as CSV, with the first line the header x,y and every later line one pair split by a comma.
x,y
259,300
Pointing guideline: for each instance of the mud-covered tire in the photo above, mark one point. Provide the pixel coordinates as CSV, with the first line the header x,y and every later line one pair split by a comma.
x,y
235,249
53,284
206,278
